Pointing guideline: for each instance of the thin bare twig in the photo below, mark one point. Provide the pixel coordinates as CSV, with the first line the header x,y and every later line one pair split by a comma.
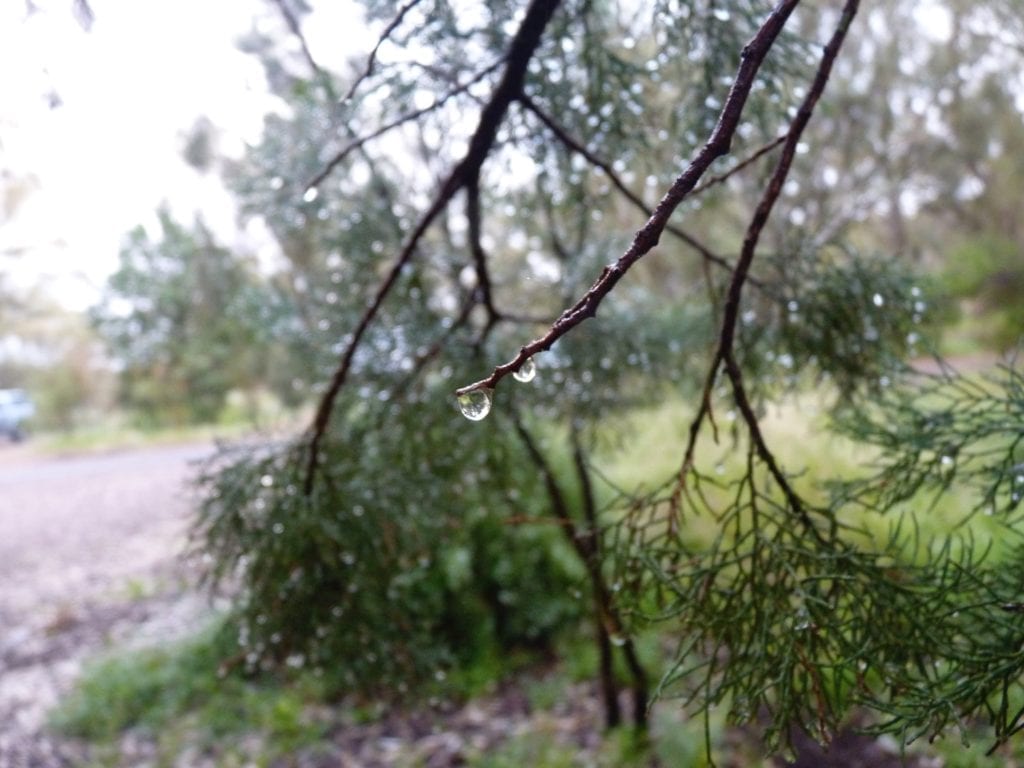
x,y
371,60
435,349
586,544
401,120
521,50
748,160
640,687
575,146
647,237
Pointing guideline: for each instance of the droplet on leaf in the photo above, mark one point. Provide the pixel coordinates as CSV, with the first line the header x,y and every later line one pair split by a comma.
x,y
475,404
526,371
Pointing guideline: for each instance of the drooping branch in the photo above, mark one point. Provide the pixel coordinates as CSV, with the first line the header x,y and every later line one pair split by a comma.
x,y
727,334
586,543
520,52
371,59
640,688
647,237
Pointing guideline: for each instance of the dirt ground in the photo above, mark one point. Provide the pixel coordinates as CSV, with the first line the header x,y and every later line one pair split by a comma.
x,y
88,558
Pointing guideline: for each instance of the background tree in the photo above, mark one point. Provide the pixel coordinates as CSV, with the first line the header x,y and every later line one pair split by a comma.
x,y
187,320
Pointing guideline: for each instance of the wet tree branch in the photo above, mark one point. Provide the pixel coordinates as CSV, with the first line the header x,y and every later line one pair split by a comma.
x,y
647,237
520,51
727,334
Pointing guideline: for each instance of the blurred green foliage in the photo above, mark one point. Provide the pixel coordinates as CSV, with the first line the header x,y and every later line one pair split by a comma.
x,y
405,544
988,273
188,322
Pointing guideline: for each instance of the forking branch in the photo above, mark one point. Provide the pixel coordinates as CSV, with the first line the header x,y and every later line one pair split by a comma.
x,y
648,236
724,354
520,52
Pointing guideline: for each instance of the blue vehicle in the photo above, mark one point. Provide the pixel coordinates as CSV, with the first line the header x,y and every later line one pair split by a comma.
x,y
16,408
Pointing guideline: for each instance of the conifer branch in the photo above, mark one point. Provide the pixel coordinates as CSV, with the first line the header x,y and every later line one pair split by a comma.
x,y
647,237
724,353
521,50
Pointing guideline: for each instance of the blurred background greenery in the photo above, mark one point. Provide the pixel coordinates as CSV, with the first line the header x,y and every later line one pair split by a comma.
x,y
433,558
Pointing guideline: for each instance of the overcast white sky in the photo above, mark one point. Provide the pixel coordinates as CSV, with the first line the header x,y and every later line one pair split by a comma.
x,y
129,89
110,153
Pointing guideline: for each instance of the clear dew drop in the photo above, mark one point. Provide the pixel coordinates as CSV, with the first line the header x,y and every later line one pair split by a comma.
x,y
526,371
266,481
311,194
475,404
877,300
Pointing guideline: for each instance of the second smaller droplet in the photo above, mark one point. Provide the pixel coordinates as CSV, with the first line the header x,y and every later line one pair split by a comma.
x,y
527,371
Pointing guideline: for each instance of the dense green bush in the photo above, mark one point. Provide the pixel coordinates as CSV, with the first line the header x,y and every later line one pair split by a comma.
x,y
418,549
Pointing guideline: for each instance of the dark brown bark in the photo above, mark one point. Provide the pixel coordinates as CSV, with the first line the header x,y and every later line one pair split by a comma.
x,y
647,237
521,50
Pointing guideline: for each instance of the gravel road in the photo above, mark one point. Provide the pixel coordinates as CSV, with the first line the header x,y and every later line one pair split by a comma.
x,y
88,558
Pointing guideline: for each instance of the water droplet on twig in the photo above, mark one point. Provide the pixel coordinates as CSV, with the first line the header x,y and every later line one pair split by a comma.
x,y
526,371
475,404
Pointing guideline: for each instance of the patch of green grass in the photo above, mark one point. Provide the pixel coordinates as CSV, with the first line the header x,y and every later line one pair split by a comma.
x,y
117,431
178,696
953,752
116,436
533,749
796,430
